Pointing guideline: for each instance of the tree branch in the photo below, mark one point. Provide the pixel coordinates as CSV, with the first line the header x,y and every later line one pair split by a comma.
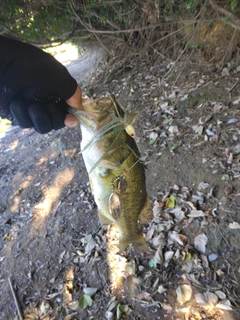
x,y
112,24
146,27
235,21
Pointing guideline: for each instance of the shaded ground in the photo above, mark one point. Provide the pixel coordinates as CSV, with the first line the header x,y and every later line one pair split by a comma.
x,y
52,246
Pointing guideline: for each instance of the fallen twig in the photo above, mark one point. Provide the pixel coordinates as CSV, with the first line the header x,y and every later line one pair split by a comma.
x,y
15,299
233,87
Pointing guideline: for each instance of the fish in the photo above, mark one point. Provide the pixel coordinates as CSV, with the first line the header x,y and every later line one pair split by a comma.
x,y
116,172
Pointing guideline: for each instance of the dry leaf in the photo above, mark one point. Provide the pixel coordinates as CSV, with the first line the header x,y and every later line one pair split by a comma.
x,y
203,185
161,289
196,213
206,300
217,108
173,129
205,263
219,272
185,309
178,213
44,306
203,119
153,135
225,305
149,234
230,159
175,237
156,210
221,295
184,293
210,133
53,295
158,257
234,225
168,255
144,296
233,120
90,291
200,242
236,101
198,129
166,307
73,305
159,240
70,316
61,256
187,267
192,278
90,243
109,315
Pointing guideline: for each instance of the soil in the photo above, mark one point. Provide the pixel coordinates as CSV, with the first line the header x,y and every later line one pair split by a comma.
x,y
52,246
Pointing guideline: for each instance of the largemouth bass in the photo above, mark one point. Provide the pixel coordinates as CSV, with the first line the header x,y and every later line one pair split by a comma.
x,y
116,174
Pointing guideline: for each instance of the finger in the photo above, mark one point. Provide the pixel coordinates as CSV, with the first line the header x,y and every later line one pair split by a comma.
x,y
40,118
71,121
56,113
19,110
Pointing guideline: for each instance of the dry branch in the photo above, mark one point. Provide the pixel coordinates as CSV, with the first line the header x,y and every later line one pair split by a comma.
x,y
111,23
15,299
233,20
131,30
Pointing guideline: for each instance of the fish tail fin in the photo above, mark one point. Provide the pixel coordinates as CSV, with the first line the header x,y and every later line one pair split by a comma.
x,y
138,243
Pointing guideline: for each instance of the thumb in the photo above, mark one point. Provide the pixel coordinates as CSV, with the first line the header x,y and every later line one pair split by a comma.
x,y
70,121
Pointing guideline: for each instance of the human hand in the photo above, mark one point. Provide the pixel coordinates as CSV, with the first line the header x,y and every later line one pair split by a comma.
x,y
42,117
71,121
74,101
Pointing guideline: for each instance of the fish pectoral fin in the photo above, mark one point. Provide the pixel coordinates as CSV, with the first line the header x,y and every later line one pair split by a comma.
x,y
103,219
146,214
138,243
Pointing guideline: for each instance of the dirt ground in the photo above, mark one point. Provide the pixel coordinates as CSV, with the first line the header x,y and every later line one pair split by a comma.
x,y
62,265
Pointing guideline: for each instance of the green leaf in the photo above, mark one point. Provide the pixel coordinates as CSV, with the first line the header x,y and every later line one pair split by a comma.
x,y
170,203
225,177
85,301
175,147
152,263
226,20
152,141
121,309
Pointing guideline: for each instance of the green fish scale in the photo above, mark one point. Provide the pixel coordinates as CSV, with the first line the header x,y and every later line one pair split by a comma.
x,y
133,199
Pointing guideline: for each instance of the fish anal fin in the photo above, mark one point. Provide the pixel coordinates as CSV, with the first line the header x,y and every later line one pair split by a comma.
x,y
146,214
138,243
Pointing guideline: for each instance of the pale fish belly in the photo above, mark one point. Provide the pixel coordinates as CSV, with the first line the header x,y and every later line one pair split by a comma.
x,y
101,192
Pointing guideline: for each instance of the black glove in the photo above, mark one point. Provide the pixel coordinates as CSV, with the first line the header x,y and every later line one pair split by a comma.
x,y
43,117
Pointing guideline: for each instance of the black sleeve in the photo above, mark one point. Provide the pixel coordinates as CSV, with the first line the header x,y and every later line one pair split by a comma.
x,y
28,71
